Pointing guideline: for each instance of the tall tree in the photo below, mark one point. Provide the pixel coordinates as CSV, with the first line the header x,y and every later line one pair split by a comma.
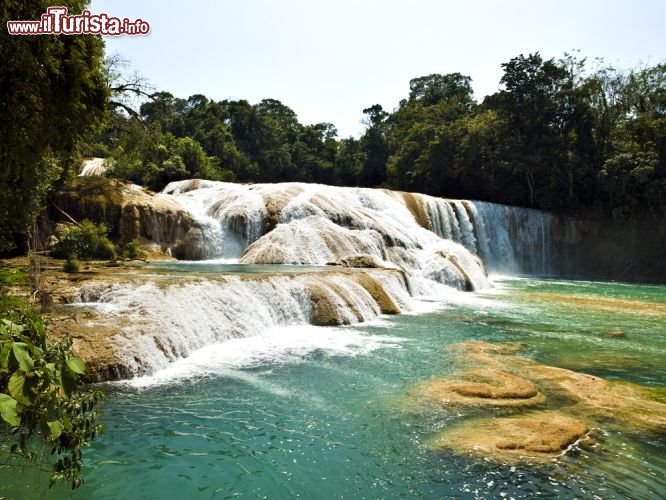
x,y
375,146
633,175
425,134
53,90
531,107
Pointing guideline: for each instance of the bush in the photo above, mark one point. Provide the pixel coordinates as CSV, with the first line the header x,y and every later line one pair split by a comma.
x,y
132,250
71,265
85,241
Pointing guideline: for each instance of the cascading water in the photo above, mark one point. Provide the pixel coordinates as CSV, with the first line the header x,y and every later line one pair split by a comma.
x,y
513,239
315,224
93,167
427,242
233,216
248,395
162,320
510,240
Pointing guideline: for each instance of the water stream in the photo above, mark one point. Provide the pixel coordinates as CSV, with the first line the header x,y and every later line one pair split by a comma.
x,y
314,412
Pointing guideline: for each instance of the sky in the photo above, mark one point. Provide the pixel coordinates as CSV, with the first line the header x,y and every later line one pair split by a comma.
x,y
330,60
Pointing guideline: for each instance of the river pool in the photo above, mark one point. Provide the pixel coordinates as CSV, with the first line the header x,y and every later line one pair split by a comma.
x,y
308,412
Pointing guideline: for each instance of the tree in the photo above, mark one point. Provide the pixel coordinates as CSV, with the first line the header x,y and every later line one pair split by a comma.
x,y
425,132
53,90
531,108
349,162
314,153
125,89
633,175
375,145
452,87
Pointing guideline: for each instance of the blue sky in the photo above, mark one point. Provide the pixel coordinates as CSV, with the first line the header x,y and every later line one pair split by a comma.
x,y
330,60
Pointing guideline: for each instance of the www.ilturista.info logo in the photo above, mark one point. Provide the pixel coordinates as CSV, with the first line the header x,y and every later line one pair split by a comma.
x,y
55,21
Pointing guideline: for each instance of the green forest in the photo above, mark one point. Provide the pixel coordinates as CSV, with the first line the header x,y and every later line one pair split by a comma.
x,y
558,136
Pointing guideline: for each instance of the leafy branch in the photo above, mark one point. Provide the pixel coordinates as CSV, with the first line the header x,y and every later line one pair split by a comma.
x,y
41,394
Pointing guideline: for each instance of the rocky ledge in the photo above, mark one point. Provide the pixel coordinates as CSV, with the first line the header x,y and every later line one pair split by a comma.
x,y
108,341
129,212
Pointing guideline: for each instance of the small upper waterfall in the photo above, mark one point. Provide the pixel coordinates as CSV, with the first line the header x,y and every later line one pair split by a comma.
x,y
508,239
93,167
232,216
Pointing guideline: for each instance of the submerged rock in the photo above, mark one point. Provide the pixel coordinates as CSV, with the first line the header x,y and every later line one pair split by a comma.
x,y
482,387
534,435
503,379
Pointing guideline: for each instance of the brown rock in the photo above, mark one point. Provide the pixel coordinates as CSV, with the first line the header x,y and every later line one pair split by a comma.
x,y
376,290
542,434
359,260
482,387
128,211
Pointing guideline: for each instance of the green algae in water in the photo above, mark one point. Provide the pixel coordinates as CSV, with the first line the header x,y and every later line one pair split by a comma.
x,y
324,422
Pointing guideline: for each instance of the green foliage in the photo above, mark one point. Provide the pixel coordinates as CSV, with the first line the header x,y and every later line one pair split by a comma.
x,y
53,91
132,249
555,137
41,395
84,241
71,265
426,133
226,140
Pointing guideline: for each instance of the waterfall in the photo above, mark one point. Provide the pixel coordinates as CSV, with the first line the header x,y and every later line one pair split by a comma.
x,y
317,224
467,238
409,245
233,215
515,240
160,321
509,239
93,167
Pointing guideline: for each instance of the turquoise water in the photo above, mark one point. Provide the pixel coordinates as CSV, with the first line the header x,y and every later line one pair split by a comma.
x,y
332,421
225,266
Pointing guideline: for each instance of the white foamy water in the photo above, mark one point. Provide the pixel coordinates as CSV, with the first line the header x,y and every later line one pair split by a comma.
x,y
93,167
317,224
164,321
274,346
234,215
438,246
